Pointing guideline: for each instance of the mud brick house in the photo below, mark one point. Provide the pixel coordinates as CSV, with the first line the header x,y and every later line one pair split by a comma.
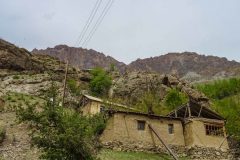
x,y
189,125
90,105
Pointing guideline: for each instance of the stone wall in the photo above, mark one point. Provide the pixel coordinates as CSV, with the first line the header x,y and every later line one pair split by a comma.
x,y
196,153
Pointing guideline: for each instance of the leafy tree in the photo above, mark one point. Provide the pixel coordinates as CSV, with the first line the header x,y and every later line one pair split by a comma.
x,y
101,82
73,86
175,98
229,108
62,133
151,103
221,88
225,95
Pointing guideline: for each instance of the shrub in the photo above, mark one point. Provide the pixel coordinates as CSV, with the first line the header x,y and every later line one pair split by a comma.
x,y
225,97
74,88
2,134
60,132
221,88
175,98
16,77
151,103
101,82
229,108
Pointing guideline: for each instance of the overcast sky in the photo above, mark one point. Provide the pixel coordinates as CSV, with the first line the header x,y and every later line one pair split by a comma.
x,y
132,28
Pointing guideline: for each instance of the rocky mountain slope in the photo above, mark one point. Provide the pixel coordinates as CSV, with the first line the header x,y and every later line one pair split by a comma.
x,y
131,87
188,65
79,57
24,80
24,77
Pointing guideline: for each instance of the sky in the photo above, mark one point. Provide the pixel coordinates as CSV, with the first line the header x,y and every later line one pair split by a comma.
x,y
131,29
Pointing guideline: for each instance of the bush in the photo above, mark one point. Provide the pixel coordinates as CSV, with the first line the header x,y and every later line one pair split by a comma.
x,y
150,103
225,96
2,134
175,98
16,77
229,108
62,133
101,82
221,88
73,86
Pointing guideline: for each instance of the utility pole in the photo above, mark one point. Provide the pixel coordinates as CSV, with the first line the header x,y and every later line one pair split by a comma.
x,y
64,85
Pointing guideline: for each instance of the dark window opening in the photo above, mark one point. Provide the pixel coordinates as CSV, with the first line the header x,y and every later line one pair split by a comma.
x,y
214,130
101,109
170,129
141,125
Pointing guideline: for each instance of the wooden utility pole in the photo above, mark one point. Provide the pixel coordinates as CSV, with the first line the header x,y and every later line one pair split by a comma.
x,y
164,144
64,85
189,110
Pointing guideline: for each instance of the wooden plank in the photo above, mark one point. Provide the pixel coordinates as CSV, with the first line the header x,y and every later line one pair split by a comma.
x,y
175,114
189,111
225,138
164,143
199,113
185,114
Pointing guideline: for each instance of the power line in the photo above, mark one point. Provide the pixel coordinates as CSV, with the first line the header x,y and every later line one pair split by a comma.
x,y
98,22
89,21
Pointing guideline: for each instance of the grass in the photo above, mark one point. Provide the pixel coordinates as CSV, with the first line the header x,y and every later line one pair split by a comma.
x,y
13,99
119,155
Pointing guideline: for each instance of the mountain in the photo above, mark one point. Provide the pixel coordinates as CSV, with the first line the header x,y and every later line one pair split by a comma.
x,y
12,57
188,65
79,57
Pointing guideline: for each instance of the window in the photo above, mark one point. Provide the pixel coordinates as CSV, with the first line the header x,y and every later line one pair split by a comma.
x,y
101,109
141,125
214,130
170,129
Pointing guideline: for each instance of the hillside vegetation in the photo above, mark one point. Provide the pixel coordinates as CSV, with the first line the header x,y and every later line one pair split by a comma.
x,y
225,95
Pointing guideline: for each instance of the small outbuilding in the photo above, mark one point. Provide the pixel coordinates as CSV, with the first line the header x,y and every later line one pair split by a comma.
x,y
90,105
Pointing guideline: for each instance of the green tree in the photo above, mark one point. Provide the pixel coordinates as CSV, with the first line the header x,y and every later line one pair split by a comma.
x,y
225,95
101,82
60,132
151,103
175,98
74,87
221,88
229,108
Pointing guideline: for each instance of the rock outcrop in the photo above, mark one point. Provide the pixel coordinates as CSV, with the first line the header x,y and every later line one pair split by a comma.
x,y
133,85
80,58
188,65
15,58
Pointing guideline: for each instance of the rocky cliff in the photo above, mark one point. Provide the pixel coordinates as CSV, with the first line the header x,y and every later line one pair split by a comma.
x,y
187,65
79,57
